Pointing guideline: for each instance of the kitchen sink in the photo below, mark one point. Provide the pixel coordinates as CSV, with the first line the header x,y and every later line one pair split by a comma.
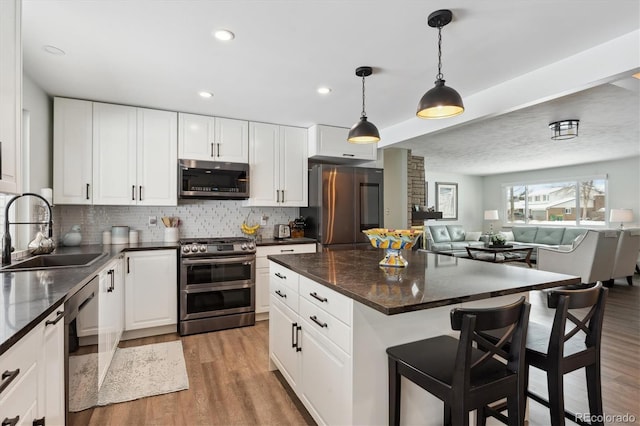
x,y
54,261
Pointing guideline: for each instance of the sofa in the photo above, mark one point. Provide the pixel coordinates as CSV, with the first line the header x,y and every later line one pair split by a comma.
x,y
451,237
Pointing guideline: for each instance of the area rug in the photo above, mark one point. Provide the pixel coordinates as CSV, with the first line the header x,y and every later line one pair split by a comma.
x,y
134,373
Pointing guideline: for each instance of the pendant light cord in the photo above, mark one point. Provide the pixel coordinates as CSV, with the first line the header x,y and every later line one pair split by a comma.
x,y
364,114
439,76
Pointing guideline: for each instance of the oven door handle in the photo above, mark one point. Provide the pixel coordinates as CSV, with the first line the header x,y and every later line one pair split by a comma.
x,y
219,260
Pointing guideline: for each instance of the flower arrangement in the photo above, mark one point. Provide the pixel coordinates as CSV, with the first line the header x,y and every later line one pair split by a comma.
x,y
498,239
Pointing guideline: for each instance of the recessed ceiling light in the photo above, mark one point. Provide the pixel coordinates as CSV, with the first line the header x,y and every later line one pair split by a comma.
x,y
637,75
324,90
53,50
205,94
224,35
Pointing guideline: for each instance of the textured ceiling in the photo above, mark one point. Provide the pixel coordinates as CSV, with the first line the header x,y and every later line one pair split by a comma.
x,y
521,140
160,54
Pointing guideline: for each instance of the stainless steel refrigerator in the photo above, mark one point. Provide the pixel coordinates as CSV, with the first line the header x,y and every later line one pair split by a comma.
x,y
343,201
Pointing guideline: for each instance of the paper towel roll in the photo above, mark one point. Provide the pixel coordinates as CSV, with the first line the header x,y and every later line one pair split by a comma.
x,y
47,194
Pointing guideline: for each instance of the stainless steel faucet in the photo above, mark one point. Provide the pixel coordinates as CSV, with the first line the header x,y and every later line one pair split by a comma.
x,y
6,241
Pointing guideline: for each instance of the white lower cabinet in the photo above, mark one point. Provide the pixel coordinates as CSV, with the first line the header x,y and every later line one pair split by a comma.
x,y
33,369
110,314
262,269
151,292
310,343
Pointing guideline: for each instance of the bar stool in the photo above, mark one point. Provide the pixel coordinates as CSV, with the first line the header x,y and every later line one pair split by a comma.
x,y
463,377
572,342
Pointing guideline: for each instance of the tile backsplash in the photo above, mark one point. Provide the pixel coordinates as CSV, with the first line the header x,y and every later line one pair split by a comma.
x,y
198,218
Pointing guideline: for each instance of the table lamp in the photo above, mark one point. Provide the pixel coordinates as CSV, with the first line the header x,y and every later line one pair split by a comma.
x,y
621,215
491,215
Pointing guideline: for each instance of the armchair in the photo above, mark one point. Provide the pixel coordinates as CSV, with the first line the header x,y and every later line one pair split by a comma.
x,y
591,259
626,256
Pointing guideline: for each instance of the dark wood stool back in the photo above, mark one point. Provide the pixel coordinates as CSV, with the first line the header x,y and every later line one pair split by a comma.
x,y
464,377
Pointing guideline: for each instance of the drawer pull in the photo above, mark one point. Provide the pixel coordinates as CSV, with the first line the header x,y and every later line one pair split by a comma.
x,y
321,324
39,422
348,155
284,296
10,422
8,377
281,276
294,334
59,314
320,298
286,250
298,347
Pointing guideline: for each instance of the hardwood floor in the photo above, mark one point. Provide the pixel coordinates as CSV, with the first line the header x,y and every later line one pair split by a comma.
x,y
229,381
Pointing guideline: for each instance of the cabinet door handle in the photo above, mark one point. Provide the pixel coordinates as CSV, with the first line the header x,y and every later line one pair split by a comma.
x,y
321,324
283,195
110,273
10,422
140,193
315,296
218,146
348,155
277,195
87,191
59,314
8,377
279,293
39,422
286,250
298,346
128,269
212,153
294,335
133,192
280,276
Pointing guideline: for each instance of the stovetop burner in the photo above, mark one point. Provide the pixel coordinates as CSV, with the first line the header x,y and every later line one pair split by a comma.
x,y
219,246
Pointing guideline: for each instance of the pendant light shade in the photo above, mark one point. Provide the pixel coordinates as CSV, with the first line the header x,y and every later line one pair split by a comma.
x,y
441,101
363,131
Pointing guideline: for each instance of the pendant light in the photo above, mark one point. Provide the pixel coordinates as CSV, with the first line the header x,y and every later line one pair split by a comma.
x,y
441,101
564,129
363,131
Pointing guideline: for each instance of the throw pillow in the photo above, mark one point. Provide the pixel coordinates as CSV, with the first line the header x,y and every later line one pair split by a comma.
x,y
577,240
472,236
508,235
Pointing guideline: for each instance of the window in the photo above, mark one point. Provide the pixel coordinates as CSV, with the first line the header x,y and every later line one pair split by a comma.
x,y
567,203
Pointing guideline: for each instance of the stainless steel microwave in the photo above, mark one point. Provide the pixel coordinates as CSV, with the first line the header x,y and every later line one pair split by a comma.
x,y
212,179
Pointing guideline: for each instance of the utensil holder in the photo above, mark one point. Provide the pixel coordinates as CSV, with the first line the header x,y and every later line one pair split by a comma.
x,y
170,235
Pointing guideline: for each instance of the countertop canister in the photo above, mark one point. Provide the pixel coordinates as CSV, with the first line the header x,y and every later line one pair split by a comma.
x,y
106,237
119,234
133,236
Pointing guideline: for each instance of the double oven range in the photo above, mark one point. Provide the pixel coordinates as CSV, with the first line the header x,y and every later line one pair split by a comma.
x,y
217,284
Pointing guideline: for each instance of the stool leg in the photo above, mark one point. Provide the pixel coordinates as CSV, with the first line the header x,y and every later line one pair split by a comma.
x,y
459,415
394,393
481,417
556,396
447,415
594,390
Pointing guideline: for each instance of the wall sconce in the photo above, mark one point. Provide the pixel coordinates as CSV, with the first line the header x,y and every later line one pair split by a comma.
x,y
564,129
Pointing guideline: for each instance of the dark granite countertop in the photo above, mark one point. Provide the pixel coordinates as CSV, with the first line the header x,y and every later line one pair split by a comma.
x,y
274,242
27,297
429,281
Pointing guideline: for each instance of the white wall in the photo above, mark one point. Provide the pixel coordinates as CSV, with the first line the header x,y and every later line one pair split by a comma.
x,y
395,188
623,183
39,106
470,198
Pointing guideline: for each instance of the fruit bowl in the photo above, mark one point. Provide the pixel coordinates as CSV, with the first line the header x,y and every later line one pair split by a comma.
x,y
393,240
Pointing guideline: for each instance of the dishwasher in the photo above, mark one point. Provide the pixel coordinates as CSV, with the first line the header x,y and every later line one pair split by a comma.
x,y
80,362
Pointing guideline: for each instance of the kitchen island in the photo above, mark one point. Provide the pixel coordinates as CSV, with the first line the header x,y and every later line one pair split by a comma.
x,y
333,314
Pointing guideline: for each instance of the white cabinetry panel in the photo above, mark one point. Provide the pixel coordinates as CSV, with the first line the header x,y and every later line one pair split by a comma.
x,y
213,138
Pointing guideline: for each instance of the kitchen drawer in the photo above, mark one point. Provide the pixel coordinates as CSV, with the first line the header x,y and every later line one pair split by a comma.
x,y
284,294
265,251
284,276
326,324
19,398
334,303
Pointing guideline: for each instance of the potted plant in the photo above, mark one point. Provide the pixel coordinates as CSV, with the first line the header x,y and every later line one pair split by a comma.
x,y
498,240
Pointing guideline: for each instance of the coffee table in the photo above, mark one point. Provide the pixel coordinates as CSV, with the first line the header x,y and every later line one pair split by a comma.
x,y
509,254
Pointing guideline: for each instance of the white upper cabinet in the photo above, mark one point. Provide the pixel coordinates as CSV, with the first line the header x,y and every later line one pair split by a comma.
x,y
72,151
278,166
10,96
157,169
213,138
114,154
330,143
